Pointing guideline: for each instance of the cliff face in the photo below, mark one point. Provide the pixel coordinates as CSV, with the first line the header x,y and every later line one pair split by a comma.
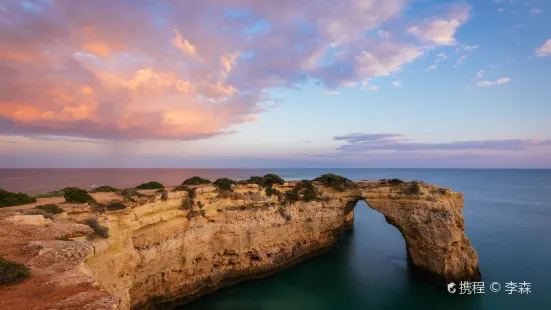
x,y
164,249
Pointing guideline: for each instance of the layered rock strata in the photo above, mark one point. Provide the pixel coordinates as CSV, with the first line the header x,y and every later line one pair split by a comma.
x,y
167,248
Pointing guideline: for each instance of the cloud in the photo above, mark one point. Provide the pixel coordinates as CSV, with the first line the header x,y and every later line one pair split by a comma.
x,y
491,83
536,11
362,143
178,70
544,50
441,31
397,84
433,67
331,92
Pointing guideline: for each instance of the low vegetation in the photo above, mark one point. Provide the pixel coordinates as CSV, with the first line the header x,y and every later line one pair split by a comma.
x,y
267,180
58,193
224,184
196,181
292,196
63,238
337,182
394,181
413,189
191,192
77,195
51,208
14,199
105,189
12,273
115,206
187,203
130,193
270,191
99,230
150,185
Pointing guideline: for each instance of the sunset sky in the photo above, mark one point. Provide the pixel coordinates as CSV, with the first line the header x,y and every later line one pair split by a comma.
x,y
275,83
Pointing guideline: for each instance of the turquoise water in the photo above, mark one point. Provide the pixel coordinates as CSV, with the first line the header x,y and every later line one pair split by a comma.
x,y
507,216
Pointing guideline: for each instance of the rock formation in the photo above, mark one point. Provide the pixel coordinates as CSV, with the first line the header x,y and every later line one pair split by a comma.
x,y
170,247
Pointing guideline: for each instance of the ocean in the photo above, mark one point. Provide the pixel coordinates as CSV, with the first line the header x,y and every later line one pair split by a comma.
x,y
507,217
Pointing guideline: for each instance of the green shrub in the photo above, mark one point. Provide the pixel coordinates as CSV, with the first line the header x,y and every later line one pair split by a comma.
x,y
11,273
224,184
273,179
292,196
14,199
105,189
395,181
77,195
58,193
272,191
187,203
414,189
337,182
150,185
267,180
115,206
99,230
51,208
196,181
63,238
307,190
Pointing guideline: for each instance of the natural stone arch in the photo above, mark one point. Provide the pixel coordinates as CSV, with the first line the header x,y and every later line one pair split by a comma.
x,y
433,231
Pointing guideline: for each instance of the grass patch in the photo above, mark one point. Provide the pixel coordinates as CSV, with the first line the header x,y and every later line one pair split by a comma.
x,y
11,273
337,182
195,180
115,206
14,199
51,208
105,189
99,230
150,185
224,184
58,193
77,195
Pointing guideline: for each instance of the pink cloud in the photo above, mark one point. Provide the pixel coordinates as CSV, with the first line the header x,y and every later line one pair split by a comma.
x,y
179,69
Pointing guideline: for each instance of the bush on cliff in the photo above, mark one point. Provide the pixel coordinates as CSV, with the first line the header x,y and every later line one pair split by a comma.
x,y
150,185
224,184
99,230
196,181
51,208
58,193
307,190
14,199
105,189
337,182
267,180
77,195
187,203
11,273
414,189
272,191
115,206
292,196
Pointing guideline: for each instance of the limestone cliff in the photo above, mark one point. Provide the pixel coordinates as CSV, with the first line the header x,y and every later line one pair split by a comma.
x,y
168,247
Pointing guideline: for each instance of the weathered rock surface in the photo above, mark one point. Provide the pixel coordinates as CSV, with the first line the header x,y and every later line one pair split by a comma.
x,y
161,253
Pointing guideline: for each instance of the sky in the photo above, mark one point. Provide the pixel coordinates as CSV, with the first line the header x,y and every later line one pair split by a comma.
x,y
275,84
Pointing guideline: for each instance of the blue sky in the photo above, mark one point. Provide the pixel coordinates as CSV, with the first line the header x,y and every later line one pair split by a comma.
x,y
366,83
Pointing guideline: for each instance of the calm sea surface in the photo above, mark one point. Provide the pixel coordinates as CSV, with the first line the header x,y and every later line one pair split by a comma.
x,y
507,215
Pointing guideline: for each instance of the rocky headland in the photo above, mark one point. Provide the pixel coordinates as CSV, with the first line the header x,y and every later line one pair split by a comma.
x,y
156,247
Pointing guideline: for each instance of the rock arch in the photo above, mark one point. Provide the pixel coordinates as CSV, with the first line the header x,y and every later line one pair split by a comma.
x,y
433,230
